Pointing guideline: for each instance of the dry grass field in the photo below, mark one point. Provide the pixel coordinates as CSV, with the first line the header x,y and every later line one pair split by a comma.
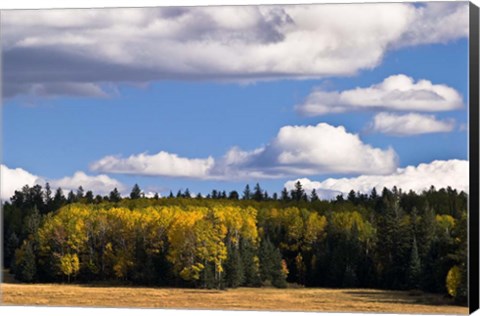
x,y
323,300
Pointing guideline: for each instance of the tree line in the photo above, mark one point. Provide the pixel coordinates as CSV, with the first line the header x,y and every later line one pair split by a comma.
x,y
390,240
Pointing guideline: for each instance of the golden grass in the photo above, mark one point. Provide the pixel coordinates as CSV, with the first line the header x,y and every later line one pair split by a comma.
x,y
323,300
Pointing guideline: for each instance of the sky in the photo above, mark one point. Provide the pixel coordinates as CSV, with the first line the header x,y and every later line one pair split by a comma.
x,y
219,97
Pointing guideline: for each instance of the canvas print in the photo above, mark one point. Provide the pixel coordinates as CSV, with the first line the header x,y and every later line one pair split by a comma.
x,y
265,157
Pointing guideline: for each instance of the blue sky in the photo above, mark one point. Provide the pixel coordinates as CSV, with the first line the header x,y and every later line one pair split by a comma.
x,y
51,130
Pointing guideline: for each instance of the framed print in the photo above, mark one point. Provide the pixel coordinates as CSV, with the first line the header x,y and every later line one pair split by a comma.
x,y
307,157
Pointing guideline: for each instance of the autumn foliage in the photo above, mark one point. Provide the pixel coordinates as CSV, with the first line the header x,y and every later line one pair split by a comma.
x,y
394,240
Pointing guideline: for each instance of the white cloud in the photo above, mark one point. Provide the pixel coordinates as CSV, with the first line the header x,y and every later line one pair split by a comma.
x,y
437,22
80,50
410,124
14,179
440,173
99,184
396,93
296,150
160,164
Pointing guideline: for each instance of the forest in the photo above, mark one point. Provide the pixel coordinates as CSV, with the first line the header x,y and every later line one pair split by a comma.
x,y
387,240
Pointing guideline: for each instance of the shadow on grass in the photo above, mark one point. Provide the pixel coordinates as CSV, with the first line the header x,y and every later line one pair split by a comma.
x,y
402,297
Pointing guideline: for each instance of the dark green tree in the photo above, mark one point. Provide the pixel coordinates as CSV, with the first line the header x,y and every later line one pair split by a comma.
x,y
271,270
25,263
89,197
233,195
234,267
80,193
247,194
257,193
136,192
114,196
414,269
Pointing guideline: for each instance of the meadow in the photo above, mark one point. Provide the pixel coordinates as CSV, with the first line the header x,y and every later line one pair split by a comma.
x,y
291,299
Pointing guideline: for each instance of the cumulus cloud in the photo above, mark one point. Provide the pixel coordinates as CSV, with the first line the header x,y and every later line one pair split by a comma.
x,y
14,179
396,93
57,52
410,124
438,22
99,184
439,173
296,150
160,164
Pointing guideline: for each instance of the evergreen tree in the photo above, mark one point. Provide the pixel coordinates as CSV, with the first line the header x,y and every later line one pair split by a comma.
x,y
71,198
136,192
257,193
114,196
80,192
247,194
314,196
414,269
284,195
352,197
187,193
48,199
233,195
249,263
265,195
89,197
11,245
271,269
234,268
25,263
58,199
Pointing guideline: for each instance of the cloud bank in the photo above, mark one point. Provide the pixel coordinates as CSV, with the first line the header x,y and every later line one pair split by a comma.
x,y
296,150
16,179
394,93
410,124
440,173
79,52
100,184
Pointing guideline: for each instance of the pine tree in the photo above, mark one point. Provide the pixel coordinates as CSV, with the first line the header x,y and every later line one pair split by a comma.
x,y
247,194
250,263
257,193
136,192
89,197
414,269
314,196
114,196
284,195
25,263
298,193
71,198
271,269
233,195
234,268
58,200
79,193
